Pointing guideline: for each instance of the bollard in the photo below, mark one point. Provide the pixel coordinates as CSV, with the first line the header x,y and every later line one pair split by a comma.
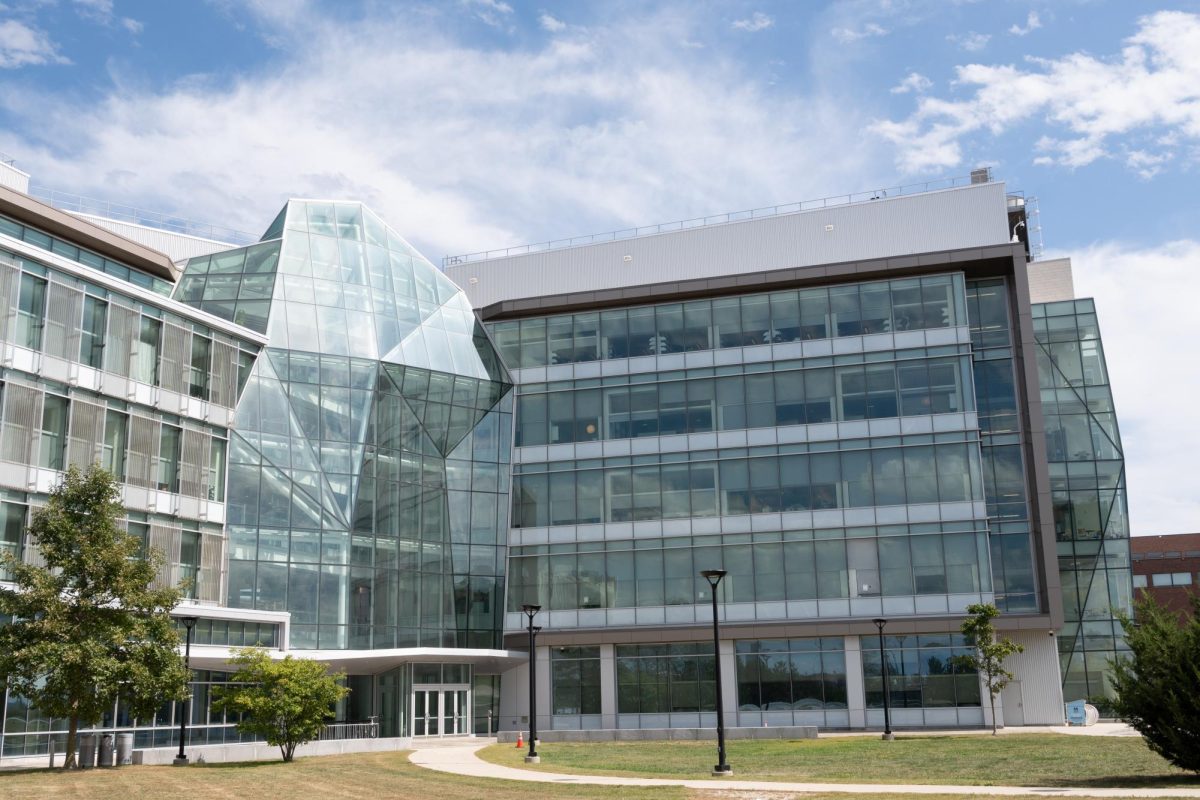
x,y
124,749
87,750
106,750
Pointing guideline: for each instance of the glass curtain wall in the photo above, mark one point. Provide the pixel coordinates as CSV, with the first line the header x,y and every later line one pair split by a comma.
x,y
788,316
1087,482
1003,464
368,469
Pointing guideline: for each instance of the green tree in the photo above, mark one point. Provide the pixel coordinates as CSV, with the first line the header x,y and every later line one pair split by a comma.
x,y
88,626
286,701
1158,686
989,653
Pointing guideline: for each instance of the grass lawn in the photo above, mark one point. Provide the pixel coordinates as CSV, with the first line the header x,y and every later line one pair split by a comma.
x,y
367,776
1014,760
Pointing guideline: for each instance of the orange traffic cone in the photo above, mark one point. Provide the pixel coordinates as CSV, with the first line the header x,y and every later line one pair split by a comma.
x,y
520,741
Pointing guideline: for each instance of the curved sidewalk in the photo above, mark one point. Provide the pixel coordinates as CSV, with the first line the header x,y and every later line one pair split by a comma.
x,y
462,759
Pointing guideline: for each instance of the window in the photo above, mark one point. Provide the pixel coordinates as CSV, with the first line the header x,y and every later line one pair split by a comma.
x,y
216,470
921,672
149,343
1139,581
795,674
575,678
665,678
31,312
91,342
116,424
199,371
168,458
54,431
1167,579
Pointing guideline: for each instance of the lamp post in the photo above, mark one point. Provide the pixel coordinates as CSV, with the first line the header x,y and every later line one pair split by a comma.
x,y
531,611
887,700
189,623
722,768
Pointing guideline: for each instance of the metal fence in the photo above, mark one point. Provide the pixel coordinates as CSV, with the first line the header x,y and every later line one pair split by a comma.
x,y
351,730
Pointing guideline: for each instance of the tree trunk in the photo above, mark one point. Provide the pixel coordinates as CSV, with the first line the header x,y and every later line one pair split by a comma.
x,y
290,751
70,761
992,699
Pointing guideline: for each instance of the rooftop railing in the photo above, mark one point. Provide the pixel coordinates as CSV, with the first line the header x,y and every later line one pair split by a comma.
x,y
720,219
78,204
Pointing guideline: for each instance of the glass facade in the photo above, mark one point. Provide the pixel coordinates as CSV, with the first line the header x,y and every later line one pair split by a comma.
x,y
665,678
813,391
1004,475
791,674
575,680
1087,482
367,467
921,672
851,310
883,561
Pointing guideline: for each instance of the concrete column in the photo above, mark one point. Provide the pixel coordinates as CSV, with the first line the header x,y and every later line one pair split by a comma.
x,y
856,694
545,711
608,686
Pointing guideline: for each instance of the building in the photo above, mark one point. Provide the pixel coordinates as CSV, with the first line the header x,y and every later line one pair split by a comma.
x,y
1167,569
874,408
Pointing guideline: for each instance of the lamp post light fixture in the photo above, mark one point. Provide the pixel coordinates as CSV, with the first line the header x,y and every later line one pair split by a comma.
x,y
887,702
189,623
722,768
531,611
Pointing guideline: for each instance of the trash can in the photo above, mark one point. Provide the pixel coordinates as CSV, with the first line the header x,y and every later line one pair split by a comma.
x,y
124,749
87,750
106,750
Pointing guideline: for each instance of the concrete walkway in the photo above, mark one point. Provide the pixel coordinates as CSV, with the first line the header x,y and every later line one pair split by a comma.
x,y
461,758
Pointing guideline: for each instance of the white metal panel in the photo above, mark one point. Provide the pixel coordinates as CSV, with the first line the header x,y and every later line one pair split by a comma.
x,y
176,246
952,219
1037,669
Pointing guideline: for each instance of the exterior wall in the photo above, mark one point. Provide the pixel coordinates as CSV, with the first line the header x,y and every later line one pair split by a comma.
x,y
1051,281
1087,483
972,216
1001,420
369,461
1167,569
1034,696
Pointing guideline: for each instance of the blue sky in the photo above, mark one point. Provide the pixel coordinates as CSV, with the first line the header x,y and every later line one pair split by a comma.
x,y
473,124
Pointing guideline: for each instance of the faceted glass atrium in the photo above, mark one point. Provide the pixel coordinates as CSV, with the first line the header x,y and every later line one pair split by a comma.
x,y
368,466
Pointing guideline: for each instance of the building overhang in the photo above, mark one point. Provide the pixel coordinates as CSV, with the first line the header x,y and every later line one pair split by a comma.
x,y
373,662
976,262
49,219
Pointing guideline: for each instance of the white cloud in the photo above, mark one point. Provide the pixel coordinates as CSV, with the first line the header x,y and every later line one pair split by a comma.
x,y
756,22
971,41
132,25
23,45
1032,23
850,35
491,12
551,24
913,82
1151,91
1154,384
460,147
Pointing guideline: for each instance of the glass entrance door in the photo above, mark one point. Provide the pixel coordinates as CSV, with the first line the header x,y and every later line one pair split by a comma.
x,y
441,710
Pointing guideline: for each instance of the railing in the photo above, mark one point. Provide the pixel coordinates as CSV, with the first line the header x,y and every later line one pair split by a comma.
x,y
718,219
78,204
350,730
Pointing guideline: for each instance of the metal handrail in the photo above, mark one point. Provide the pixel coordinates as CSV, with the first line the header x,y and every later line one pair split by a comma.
x,y
78,204
717,219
